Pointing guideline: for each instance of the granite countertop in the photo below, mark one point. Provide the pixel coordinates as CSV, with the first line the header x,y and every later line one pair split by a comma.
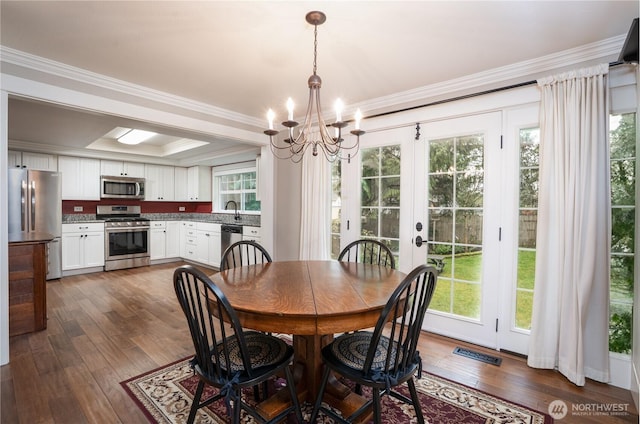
x,y
30,237
214,218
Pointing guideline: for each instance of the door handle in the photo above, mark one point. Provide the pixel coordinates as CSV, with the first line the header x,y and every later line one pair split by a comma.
x,y
418,241
33,206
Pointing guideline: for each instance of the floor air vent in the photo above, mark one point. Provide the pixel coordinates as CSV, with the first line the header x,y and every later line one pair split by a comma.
x,y
478,356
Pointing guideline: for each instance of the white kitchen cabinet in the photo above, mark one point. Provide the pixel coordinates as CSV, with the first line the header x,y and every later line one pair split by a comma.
x,y
251,233
188,240
165,239
160,183
36,161
208,240
80,178
181,181
82,245
199,184
158,240
125,169
173,239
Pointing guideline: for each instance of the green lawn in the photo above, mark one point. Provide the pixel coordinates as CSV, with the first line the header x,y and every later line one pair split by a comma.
x,y
460,294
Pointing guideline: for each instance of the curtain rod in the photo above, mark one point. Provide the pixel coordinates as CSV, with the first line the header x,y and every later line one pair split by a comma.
x,y
468,96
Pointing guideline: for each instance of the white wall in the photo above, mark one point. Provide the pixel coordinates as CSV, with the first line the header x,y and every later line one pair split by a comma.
x,y
287,213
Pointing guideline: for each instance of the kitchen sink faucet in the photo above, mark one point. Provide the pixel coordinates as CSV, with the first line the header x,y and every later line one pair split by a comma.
x,y
235,206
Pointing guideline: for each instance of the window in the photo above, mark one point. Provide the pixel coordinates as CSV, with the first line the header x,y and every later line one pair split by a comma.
x,y
622,148
239,185
380,196
527,225
336,205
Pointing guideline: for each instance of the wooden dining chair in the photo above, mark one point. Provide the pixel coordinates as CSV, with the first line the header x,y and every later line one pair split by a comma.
x,y
244,252
227,356
386,357
368,251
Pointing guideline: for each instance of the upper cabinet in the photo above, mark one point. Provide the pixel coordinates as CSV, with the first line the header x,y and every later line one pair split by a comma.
x,y
199,184
37,161
80,178
126,169
182,192
160,183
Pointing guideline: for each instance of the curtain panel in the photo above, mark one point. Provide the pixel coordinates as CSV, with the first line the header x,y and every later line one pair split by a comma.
x,y
570,321
315,234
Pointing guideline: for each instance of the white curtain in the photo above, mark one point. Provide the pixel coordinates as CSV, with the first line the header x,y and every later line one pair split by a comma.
x,y
569,329
315,234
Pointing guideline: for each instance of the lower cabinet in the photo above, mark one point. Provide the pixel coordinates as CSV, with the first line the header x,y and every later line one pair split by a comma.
x,y
164,239
188,240
208,241
82,246
251,233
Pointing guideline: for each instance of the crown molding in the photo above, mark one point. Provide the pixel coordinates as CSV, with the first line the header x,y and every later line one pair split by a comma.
x,y
57,69
601,50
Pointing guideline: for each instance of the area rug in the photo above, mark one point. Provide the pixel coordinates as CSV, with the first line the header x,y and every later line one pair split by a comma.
x,y
165,396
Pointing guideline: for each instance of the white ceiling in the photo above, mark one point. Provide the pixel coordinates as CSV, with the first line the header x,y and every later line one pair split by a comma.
x,y
246,56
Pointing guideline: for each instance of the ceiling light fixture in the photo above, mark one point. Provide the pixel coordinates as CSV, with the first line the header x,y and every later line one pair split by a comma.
x,y
310,135
135,136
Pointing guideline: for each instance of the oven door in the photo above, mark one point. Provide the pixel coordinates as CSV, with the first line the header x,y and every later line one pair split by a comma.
x,y
123,243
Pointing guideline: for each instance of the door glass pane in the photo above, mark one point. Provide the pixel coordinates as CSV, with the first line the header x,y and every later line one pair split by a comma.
x,y
529,145
456,191
380,195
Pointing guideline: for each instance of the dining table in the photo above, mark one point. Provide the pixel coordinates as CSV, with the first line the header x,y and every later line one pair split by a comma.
x,y
311,301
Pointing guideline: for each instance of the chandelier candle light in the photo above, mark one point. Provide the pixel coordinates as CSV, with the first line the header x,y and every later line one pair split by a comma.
x,y
309,135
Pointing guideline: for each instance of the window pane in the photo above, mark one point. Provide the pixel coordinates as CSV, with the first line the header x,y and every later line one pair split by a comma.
x,y
622,149
441,155
370,193
369,226
389,219
370,162
390,160
390,191
441,190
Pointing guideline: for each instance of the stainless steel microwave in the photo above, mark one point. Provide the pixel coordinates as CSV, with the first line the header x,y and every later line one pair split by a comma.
x,y
115,187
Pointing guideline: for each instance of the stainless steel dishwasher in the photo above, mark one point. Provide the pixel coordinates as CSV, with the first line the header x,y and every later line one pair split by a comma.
x,y
229,235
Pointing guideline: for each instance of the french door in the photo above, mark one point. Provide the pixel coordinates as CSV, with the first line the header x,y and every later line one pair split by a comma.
x,y
457,208
449,194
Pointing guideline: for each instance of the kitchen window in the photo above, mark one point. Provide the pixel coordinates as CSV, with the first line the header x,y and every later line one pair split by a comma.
x,y
239,185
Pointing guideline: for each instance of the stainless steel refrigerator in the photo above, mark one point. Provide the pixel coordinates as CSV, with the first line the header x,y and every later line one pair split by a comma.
x,y
35,204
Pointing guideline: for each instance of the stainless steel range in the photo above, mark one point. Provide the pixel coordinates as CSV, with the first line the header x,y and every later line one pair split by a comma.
x,y
127,235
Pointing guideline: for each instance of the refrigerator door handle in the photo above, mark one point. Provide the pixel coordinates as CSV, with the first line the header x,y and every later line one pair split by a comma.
x,y
23,206
33,206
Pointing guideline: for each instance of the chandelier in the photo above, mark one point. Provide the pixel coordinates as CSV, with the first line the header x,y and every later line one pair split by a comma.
x,y
314,132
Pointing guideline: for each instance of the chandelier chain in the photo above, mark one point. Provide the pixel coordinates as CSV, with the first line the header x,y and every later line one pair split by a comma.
x,y
315,49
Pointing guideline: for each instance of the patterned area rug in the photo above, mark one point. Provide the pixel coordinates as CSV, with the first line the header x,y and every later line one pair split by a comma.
x,y
165,397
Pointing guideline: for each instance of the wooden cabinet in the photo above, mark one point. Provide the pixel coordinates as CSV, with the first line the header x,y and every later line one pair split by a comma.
x,y
37,161
126,169
199,184
27,288
82,246
80,178
160,183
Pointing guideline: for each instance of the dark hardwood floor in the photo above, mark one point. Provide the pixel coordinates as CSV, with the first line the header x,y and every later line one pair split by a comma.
x,y
104,328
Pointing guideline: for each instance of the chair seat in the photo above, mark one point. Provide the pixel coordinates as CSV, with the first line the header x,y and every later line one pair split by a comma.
x,y
264,351
351,350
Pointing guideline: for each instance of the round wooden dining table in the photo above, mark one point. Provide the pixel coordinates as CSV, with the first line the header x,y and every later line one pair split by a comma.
x,y
312,301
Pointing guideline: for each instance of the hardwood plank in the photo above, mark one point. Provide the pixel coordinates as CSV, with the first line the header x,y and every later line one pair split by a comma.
x,y
104,328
